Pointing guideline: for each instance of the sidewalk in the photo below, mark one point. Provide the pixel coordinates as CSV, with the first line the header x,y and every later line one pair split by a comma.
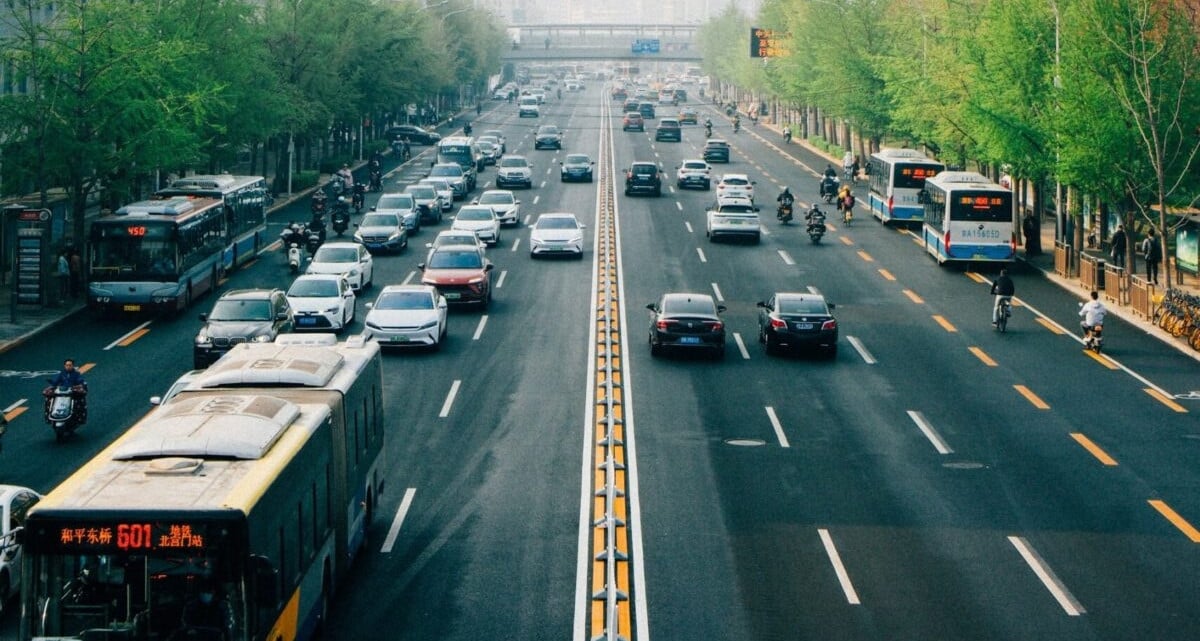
x,y
20,323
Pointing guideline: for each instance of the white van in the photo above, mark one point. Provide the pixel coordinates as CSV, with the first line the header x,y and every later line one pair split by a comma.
x,y
528,107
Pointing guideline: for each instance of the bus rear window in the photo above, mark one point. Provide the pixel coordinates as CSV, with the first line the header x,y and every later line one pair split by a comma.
x,y
912,176
981,207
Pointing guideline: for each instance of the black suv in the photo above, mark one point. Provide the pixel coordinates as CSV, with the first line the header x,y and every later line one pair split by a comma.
x,y
643,178
241,316
668,129
414,134
716,150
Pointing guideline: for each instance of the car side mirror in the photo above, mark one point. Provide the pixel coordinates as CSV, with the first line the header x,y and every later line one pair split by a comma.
x,y
652,307
831,305
370,305
488,267
761,304
204,318
421,266
156,400
720,308
281,316
373,208
582,226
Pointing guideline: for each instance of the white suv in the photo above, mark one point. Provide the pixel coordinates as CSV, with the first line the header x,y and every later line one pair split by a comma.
x,y
694,172
733,216
514,171
528,107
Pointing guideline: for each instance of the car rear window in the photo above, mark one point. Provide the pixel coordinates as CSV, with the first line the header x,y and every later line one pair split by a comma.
x,y
643,170
689,305
694,165
802,306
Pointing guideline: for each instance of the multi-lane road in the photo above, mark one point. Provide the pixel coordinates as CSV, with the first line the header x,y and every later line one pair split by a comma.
x,y
936,480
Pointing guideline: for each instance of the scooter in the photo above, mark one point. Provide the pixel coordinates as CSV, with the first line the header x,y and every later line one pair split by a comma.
x,y
708,130
1093,337
315,235
829,188
293,236
784,213
317,206
64,407
816,224
359,198
340,217
376,181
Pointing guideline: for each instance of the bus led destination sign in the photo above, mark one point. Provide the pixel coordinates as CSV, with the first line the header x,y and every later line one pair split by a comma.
x,y
766,43
131,537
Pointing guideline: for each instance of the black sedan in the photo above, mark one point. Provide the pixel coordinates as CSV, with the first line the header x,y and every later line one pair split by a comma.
x,y
577,167
414,134
687,322
795,320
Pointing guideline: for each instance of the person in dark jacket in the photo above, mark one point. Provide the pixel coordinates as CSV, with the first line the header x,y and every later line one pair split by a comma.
x,y
1118,247
1002,289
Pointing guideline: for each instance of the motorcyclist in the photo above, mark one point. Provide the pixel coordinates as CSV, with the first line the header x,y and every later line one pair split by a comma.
x,y
737,122
71,378
376,174
359,197
786,198
1003,290
318,201
346,176
1093,313
558,92
787,134
829,180
830,172
708,127
815,217
467,129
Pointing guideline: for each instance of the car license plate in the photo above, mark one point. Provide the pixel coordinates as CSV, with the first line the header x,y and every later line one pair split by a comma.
x,y
804,325
399,339
307,320
452,295
690,340
132,308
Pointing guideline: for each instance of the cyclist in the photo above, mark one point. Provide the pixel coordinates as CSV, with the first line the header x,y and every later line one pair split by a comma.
x,y
1003,290
1093,314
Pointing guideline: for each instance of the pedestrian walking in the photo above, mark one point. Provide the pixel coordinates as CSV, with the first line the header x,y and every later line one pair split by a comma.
x,y
1117,255
63,275
1152,253
1032,232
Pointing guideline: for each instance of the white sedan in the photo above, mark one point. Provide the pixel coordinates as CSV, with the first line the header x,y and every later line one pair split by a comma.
x,y
556,234
480,219
322,301
503,202
15,502
408,315
348,259
736,185
444,191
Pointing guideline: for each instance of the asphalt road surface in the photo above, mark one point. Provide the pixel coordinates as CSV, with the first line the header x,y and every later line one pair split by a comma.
x,y
935,480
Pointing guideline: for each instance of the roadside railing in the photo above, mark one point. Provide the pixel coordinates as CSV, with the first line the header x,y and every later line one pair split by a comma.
x,y
1062,259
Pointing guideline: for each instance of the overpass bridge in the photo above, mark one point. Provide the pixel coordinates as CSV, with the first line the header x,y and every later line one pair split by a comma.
x,y
583,42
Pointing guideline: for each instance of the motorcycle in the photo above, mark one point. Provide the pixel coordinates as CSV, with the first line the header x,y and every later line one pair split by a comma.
x,y
359,197
708,130
829,188
376,181
340,217
784,214
317,206
737,126
816,224
1093,336
293,236
316,235
64,410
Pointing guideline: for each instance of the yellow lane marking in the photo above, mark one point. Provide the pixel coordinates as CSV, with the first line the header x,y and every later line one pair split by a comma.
x,y
133,337
865,256
83,369
976,277
1178,521
1031,397
913,297
1162,398
249,263
946,325
886,274
1093,448
1100,359
845,240
1050,326
917,241
15,413
979,353
830,228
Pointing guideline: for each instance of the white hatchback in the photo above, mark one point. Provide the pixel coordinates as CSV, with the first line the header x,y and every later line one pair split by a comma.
x,y
348,259
405,315
322,301
479,219
503,202
738,185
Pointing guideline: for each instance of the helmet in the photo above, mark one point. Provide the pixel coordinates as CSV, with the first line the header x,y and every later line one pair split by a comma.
x,y
785,190
341,199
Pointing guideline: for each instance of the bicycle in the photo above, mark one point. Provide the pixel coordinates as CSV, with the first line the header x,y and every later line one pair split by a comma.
x,y
1003,314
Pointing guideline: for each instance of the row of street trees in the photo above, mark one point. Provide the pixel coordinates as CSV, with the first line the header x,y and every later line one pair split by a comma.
x,y
1100,95
99,95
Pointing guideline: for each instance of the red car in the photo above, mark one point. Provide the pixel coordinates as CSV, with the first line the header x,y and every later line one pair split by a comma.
x,y
633,121
461,274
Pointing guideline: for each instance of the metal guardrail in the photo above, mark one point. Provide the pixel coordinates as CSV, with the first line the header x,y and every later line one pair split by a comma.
x,y
1116,284
1143,296
1063,254
1091,272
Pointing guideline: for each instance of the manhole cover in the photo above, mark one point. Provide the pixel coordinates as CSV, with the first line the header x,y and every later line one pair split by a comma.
x,y
745,442
963,465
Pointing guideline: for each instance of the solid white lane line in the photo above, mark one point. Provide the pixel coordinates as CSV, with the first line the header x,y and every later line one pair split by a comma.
x,y
1047,577
408,279
679,205
500,281
862,350
737,338
127,335
701,253
717,293
398,520
14,406
783,441
516,244
930,433
689,226
836,560
479,327
787,258
453,392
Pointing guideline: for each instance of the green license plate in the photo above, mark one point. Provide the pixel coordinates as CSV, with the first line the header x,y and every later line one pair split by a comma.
x,y
398,339
452,295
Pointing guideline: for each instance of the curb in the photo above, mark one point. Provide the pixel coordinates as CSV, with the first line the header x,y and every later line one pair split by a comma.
x,y
50,324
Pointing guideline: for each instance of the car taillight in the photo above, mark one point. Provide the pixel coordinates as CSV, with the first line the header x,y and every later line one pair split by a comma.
x,y
829,324
629,176
716,326
663,324
777,323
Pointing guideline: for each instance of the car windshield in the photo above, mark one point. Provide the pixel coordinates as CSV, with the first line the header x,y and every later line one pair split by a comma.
x,y
736,209
241,310
577,159
496,199
313,288
380,220
688,305
556,222
456,260
548,129
446,171
394,202
801,306
736,181
404,300
494,132
456,239
336,255
437,184
485,146
467,213
694,165
514,162
421,191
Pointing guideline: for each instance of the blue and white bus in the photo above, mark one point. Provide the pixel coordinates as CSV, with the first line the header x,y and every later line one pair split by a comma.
x,y
968,218
245,201
156,255
896,176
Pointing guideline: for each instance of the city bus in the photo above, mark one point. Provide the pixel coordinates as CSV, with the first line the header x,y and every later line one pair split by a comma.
x,y
968,218
895,177
156,255
245,199
246,488
462,151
